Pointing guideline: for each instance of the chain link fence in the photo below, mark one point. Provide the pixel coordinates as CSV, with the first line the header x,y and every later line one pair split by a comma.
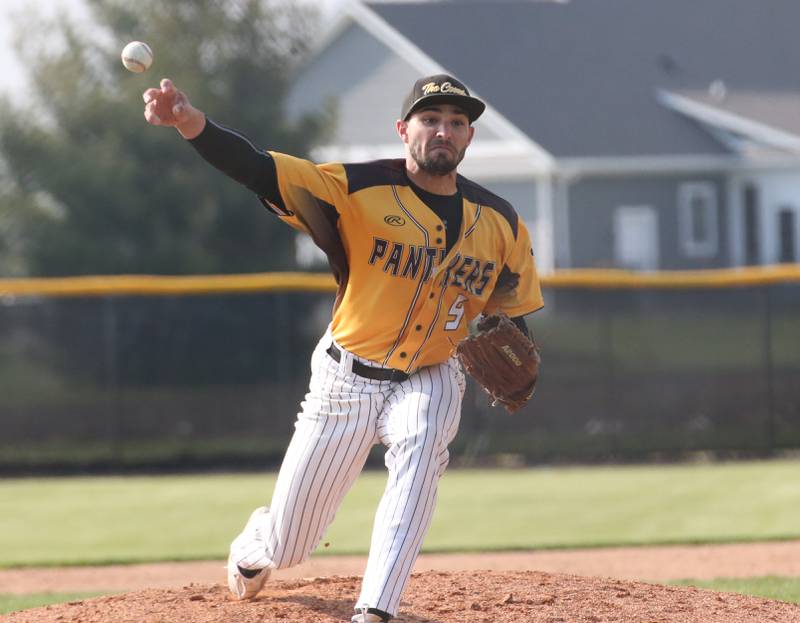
x,y
115,375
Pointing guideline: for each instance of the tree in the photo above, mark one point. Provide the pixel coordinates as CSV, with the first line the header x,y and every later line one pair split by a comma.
x,y
87,187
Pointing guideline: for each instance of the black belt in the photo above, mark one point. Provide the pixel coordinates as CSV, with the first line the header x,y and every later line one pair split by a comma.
x,y
368,372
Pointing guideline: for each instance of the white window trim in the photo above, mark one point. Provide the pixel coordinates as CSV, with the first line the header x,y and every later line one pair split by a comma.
x,y
686,193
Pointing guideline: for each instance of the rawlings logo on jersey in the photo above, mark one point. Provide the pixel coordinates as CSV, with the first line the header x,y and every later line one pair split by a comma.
x,y
394,220
411,261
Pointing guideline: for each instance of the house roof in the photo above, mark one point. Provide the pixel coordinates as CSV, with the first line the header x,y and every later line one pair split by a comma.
x,y
780,109
582,77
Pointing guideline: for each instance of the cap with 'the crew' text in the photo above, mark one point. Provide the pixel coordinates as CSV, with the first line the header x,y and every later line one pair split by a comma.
x,y
441,89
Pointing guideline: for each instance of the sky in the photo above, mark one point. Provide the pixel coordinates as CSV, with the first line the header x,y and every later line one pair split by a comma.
x,y
12,76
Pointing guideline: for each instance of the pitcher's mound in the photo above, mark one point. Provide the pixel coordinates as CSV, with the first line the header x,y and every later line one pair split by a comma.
x,y
431,597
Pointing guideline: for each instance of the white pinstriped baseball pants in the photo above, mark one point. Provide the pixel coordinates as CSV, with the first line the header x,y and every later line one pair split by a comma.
x,y
342,417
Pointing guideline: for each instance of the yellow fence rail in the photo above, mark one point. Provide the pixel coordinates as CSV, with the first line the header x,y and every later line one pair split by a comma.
x,y
143,285
677,279
149,285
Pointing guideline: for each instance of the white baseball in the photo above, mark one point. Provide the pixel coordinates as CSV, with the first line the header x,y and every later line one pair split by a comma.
x,y
137,56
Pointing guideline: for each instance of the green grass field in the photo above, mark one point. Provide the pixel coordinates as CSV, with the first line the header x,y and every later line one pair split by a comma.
x,y
80,521
771,587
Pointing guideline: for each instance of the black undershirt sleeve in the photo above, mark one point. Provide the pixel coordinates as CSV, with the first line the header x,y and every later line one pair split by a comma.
x,y
520,322
237,157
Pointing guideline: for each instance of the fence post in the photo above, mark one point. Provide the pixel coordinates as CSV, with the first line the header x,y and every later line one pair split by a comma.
x,y
285,328
110,355
611,389
769,369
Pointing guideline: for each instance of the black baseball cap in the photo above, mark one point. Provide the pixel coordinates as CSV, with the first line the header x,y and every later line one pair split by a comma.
x,y
441,89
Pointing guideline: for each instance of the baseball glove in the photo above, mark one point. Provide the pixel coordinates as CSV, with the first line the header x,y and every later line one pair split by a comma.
x,y
502,359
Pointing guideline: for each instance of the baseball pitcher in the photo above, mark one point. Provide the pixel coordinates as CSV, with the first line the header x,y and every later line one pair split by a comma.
x,y
417,251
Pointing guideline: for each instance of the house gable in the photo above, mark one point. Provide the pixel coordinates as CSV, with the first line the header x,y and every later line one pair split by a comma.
x,y
363,70
361,79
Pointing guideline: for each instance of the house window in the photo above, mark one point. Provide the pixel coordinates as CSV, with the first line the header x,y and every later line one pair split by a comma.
x,y
788,240
636,237
697,219
752,254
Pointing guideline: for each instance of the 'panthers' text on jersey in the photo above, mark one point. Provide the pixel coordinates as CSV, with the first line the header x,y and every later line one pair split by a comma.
x,y
404,301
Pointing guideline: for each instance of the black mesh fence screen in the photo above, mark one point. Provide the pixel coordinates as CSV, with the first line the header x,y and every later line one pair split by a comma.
x,y
215,381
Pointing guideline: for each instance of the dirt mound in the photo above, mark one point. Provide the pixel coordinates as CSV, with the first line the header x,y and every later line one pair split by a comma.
x,y
432,597
648,564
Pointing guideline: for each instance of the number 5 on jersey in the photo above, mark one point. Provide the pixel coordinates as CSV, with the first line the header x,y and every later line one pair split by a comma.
x,y
456,313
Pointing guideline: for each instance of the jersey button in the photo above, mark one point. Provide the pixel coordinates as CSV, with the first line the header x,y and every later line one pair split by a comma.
x,y
402,355
418,327
438,241
431,295
439,228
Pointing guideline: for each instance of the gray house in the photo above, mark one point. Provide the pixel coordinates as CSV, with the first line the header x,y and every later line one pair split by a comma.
x,y
644,134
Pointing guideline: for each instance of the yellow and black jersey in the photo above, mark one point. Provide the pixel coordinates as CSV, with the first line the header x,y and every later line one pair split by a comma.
x,y
404,299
